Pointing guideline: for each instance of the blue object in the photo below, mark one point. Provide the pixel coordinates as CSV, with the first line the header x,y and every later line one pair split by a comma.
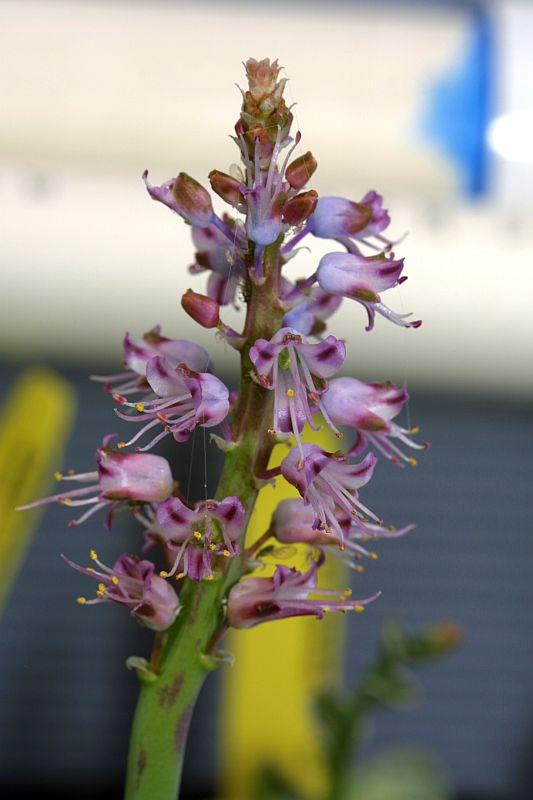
x,y
458,107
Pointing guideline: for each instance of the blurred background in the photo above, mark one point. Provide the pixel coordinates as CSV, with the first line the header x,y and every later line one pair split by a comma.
x,y
430,103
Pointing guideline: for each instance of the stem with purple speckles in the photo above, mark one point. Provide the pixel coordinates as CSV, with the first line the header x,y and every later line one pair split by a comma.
x,y
167,697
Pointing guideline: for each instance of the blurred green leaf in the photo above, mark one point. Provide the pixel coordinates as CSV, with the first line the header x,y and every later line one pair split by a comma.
x,y
401,775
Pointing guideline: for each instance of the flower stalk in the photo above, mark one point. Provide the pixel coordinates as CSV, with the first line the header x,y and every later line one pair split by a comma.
x,y
166,701
287,380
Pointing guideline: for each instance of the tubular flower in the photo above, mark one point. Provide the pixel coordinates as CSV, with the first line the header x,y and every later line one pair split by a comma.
x,y
183,400
311,307
120,477
224,259
361,278
185,196
340,218
133,584
370,408
293,521
296,371
194,537
288,593
138,353
328,482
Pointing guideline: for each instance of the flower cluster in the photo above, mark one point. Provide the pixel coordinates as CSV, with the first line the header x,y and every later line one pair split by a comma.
x,y
290,381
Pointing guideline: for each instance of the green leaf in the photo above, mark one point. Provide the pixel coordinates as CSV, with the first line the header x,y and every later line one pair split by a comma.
x,y
401,775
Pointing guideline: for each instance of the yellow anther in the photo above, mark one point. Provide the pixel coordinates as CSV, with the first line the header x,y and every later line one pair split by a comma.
x,y
212,546
101,590
208,578
412,461
416,429
226,553
114,580
139,407
197,535
290,392
90,569
374,556
93,555
81,601
121,445
58,476
347,592
359,568
163,574
65,501
359,608
180,575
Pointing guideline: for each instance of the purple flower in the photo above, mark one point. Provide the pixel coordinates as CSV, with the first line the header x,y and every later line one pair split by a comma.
x,y
370,408
133,584
222,257
194,537
120,477
183,400
138,353
293,521
311,307
338,217
296,371
361,278
288,593
185,196
328,482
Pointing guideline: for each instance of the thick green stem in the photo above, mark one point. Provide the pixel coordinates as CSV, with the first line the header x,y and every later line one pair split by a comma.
x,y
167,697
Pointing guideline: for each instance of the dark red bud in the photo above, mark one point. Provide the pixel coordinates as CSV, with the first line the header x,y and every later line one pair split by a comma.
x,y
299,208
201,308
192,199
300,170
226,187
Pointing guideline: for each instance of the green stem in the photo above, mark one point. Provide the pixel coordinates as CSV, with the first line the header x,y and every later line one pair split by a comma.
x,y
167,697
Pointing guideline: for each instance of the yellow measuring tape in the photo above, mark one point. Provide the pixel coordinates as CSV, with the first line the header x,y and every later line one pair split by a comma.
x,y
34,426
266,716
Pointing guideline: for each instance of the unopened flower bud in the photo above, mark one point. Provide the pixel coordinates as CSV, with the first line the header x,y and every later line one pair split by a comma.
x,y
226,187
192,200
203,310
300,170
299,208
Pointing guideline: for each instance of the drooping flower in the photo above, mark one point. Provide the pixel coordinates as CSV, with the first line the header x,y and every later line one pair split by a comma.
x,y
183,400
195,537
328,482
296,371
289,593
338,217
138,353
293,522
132,583
370,408
185,196
120,477
362,278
